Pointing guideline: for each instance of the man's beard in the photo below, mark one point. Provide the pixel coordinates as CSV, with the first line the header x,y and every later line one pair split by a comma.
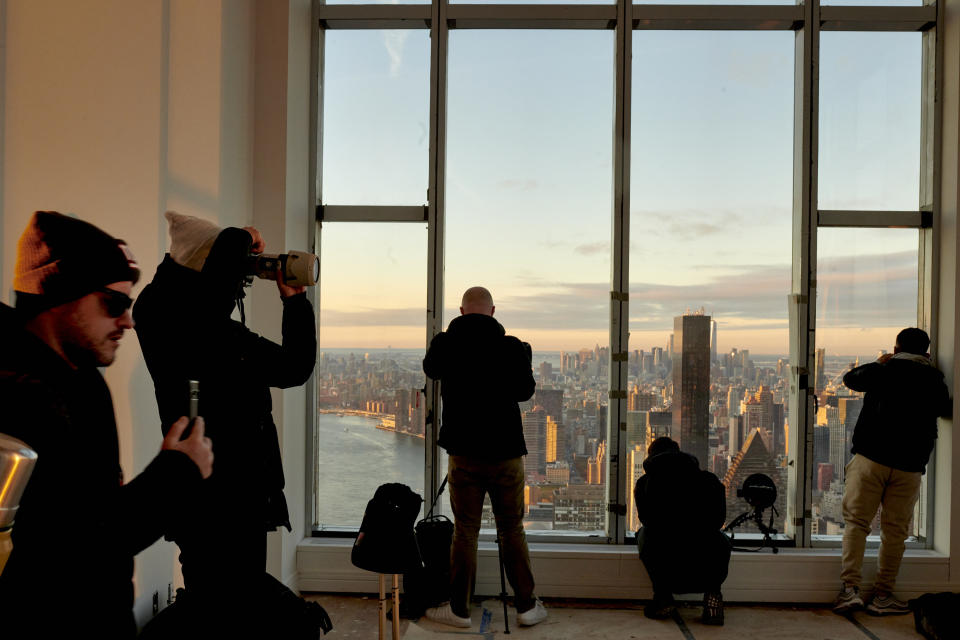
x,y
82,351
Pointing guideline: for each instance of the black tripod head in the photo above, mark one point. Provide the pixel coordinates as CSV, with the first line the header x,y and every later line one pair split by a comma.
x,y
760,492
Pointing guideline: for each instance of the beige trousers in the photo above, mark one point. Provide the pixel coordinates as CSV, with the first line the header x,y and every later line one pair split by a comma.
x,y
870,486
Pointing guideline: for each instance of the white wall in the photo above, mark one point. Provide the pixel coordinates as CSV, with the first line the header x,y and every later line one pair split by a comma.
x,y
117,111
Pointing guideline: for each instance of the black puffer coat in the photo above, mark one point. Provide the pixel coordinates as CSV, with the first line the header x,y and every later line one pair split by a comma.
x,y
897,425
78,524
484,373
185,330
677,499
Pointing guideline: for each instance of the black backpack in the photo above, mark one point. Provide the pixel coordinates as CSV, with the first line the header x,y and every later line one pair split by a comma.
x,y
386,543
935,615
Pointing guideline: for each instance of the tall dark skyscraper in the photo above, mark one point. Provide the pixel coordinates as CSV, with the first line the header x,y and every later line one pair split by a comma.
x,y
691,385
552,402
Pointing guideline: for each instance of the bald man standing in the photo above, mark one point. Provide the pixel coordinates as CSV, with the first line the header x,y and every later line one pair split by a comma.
x,y
484,374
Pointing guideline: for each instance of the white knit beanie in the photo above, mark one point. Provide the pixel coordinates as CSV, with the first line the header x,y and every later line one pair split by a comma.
x,y
190,239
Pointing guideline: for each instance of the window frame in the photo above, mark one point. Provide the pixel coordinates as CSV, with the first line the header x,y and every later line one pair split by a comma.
x,y
806,21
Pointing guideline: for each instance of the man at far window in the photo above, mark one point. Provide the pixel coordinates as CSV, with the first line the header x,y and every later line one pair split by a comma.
x,y
484,374
892,441
682,509
79,525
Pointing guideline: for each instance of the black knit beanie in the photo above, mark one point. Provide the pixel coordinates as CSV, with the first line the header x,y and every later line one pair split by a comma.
x,y
60,259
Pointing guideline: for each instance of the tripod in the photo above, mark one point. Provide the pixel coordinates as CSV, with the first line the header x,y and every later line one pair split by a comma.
x,y
757,517
503,587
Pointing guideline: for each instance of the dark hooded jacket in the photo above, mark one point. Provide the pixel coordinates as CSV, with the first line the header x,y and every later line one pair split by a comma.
x,y
484,373
183,322
897,425
77,523
677,500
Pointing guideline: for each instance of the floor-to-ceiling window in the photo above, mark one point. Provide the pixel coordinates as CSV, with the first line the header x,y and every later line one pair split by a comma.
x,y
699,216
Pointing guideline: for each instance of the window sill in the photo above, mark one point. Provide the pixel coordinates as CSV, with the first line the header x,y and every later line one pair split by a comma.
x,y
612,571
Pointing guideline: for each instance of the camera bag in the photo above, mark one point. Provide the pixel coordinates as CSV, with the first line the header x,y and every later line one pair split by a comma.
x,y
429,585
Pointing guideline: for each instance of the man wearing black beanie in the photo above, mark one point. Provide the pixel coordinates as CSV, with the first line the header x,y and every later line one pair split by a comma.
x,y
77,518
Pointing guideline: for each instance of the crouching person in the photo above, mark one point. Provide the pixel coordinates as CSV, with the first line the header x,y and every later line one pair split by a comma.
x,y
681,509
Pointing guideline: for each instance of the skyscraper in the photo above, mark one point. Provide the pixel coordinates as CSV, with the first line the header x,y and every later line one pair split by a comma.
x,y
820,378
556,441
535,435
691,385
713,341
551,400
659,423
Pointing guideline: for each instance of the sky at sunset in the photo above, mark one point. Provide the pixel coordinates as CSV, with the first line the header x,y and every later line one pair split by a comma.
x,y
529,184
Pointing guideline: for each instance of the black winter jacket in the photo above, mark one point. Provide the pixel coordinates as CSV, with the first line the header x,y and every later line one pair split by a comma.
x,y
185,330
78,525
677,500
484,373
897,425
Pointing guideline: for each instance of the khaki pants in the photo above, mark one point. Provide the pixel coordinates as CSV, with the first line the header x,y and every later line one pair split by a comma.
x,y
469,481
870,486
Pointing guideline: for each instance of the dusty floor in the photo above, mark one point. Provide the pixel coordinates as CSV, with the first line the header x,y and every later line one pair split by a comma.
x,y
356,617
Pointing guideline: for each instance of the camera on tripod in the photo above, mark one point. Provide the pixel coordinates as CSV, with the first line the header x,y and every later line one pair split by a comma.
x,y
760,493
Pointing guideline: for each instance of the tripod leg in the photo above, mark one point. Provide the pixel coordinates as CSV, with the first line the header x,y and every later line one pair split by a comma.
x,y
382,608
396,606
503,587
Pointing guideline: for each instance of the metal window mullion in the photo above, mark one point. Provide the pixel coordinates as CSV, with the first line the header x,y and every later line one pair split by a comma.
x,y
478,16
853,18
873,219
715,17
436,197
929,249
372,213
385,16
803,281
617,490
312,477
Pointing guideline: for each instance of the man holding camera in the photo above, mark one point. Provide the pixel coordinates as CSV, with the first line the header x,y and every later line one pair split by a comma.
x,y
77,518
484,374
186,332
892,442
682,509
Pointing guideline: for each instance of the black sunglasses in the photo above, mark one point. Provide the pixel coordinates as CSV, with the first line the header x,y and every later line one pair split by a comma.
x,y
115,303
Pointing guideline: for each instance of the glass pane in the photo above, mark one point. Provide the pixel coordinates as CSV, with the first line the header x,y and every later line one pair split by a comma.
x,y
870,121
710,252
374,155
866,293
369,373
528,216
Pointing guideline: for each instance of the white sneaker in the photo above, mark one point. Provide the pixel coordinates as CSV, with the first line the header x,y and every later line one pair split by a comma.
x,y
535,615
445,615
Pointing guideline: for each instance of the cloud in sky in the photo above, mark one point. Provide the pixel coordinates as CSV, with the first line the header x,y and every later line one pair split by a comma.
x,y
394,41
592,248
854,292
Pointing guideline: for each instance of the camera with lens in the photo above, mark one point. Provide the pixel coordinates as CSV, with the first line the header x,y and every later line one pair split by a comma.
x,y
297,268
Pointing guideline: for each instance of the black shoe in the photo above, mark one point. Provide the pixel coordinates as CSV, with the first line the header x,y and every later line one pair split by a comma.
x,y
660,608
712,609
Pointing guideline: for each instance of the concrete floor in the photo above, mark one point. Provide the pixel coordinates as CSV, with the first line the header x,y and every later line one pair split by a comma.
x,y
356,617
